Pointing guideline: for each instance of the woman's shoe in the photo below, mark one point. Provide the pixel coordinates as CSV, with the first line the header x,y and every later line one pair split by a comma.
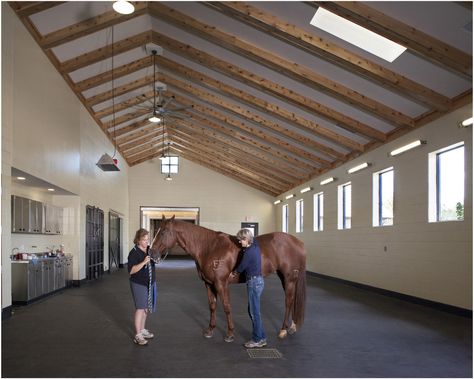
x,y
140,340
147,334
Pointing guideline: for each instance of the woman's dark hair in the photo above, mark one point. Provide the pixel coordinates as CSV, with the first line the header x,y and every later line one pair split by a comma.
x,y
139,235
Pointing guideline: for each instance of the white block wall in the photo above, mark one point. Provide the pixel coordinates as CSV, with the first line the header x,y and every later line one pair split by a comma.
x,y
428,260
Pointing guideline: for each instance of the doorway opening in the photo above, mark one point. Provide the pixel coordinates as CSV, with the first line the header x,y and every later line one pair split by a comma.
x,y
115,241
94,242
150,219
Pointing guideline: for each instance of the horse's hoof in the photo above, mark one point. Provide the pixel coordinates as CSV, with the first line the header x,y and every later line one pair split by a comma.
x,y
207,333
282,334
292,328
229,338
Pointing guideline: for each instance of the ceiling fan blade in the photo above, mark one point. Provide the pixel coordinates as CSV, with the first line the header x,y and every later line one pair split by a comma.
x,y
180,109
167,102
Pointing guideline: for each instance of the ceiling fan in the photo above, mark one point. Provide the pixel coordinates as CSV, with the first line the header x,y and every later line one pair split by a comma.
x,y
160,108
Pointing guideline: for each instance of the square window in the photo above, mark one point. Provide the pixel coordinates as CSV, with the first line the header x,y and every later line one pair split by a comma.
x,y
169,165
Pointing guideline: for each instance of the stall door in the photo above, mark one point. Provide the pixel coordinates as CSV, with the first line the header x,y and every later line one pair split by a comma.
x,y
94,242
115,246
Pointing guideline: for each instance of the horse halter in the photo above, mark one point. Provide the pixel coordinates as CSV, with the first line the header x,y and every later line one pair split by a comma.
x,y
167,250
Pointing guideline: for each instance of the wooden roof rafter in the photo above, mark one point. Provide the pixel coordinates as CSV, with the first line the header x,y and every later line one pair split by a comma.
x,y
331,52
417,42
290,69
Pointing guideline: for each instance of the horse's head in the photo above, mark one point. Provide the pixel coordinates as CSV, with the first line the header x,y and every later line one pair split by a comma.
x,y
165,238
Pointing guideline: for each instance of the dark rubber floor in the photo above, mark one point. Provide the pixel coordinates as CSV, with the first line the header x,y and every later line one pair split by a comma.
x,y
348,332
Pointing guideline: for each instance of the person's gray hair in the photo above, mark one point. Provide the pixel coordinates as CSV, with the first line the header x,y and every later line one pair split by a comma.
x,y
245,234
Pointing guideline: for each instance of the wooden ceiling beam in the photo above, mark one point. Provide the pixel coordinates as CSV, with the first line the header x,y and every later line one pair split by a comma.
x,y
104,52
151,135
266,107
125,118
250,116
134,101
234,171
259,134
417,42
286,169
228,173
119,72
330,52
290,69
142,132
28,8
285,160
89,26
129,128
224,156
258,82
144,145
120,90
227,151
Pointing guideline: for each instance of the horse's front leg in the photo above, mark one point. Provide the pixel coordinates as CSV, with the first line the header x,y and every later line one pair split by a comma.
x,y
223,292
211,296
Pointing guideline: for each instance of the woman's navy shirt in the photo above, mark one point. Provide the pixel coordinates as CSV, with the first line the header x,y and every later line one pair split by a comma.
x,y
135,257
251,262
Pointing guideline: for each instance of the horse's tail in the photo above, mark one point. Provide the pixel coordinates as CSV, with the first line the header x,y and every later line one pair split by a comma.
x,y
300,298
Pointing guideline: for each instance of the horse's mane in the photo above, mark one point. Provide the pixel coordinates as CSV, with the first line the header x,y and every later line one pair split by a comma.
x,y
206,232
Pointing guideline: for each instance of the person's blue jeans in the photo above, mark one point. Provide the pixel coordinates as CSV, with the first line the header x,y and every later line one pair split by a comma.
x,y
254,290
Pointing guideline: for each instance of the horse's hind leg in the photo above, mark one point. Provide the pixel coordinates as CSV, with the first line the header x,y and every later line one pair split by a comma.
x,y
223,292
211,296
289,286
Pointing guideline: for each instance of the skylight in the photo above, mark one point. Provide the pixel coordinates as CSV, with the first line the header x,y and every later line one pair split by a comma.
x,y
357,35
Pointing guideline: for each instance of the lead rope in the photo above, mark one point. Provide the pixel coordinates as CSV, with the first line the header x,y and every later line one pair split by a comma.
x,y
150,289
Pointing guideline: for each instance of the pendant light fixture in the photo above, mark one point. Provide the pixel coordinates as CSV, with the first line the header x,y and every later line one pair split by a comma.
x,y
154,117
123,7
163,156
168,177
106,162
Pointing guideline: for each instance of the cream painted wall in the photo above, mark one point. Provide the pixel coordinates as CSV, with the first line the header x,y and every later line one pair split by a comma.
x,y
47,133
427,260
7,143
224,203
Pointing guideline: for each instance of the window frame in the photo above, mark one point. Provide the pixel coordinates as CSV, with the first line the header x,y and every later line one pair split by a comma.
x,y
434,182
318,215
341,206
170,165
299,212
284,218
377,201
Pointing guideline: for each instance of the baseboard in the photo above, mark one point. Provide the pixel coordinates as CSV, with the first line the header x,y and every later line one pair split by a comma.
x,y
6,312
412,299
78,283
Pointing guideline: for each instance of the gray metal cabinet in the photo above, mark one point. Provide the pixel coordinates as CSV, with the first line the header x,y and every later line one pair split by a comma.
x,y
53,219
36,216
20,214
27,281
59,273
68,271
48,276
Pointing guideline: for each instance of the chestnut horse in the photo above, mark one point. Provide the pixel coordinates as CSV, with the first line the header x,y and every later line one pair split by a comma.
x,y
216,255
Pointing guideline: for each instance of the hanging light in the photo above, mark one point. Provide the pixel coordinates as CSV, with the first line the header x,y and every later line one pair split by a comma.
x,y
107,162
168,177
154,117
123,7
163,156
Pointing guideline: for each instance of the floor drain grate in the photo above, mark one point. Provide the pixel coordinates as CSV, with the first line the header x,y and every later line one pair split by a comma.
x,y
264,353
